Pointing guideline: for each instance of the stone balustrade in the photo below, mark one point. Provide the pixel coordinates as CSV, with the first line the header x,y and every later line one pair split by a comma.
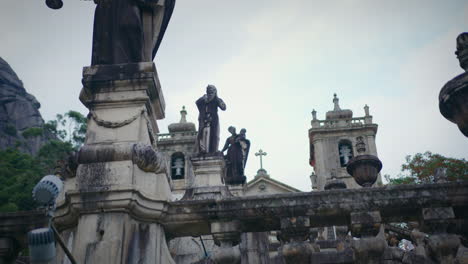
x,y
439,209
169,136
348,122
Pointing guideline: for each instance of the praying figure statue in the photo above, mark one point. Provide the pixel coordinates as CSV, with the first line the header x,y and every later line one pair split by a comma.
x,y
237,147
208,121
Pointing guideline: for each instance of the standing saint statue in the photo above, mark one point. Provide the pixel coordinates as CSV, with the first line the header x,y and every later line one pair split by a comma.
x,y
127,31
237,147
208,121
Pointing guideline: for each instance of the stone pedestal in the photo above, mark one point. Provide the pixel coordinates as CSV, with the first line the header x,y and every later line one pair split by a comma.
x,y
237,190
208,183
109,211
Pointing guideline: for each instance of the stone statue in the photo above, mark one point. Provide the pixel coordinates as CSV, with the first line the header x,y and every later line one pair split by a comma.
x,y
245,145
237,147
127,31
208,121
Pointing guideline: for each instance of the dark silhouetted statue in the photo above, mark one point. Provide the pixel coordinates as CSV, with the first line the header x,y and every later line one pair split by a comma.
x,y
237,147
208,121
127,31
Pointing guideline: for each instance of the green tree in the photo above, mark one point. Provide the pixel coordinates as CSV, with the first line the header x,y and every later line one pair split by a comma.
x,y
20,172
420,168
69,127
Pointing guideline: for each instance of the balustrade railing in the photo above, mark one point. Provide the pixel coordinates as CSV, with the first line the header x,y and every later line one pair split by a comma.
x,y
168,136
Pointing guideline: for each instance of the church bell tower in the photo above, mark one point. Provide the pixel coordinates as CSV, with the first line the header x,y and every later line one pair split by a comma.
x,y
333,144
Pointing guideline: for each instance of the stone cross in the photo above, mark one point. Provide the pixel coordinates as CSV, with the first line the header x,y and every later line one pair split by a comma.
x,y
261,153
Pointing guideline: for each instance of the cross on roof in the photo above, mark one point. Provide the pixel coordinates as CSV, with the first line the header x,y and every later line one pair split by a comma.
x,y
261,153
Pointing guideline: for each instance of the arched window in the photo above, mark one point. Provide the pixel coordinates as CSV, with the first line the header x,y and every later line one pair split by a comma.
x,y
177,166
345,150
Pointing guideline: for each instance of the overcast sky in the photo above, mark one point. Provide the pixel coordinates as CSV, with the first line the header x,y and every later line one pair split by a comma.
x,y
272,62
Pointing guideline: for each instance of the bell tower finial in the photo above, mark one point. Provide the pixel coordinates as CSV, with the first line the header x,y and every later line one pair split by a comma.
x,y
336,103
183,114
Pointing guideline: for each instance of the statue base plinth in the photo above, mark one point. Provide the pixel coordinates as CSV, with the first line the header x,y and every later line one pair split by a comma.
x,y
237,190
208,183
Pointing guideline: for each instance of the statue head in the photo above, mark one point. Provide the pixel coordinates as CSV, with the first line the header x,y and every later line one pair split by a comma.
x,y
462,50
211,92
232,130
243,131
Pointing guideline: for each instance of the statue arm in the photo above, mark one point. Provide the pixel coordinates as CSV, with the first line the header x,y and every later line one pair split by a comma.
x,y
226,145
221,104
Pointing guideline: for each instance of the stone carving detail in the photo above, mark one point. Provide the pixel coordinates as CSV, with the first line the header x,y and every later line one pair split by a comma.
x,y
360,145
208,121
148,159
110,124
66,168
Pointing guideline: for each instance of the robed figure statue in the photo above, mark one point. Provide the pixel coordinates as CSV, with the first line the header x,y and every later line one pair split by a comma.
x,y
208,121
237,147
128,31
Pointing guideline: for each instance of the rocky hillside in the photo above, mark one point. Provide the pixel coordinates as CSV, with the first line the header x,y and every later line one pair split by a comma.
x,y
21,124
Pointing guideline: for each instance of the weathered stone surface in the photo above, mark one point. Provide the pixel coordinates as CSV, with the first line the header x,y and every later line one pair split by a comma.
x,y
116,238
18,112
325,208
254,248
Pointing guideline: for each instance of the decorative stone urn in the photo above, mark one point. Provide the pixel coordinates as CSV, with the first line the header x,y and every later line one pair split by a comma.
x,y
364,168
453,96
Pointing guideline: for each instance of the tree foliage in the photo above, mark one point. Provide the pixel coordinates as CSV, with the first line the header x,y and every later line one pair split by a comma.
x,y
420,168
69,127
20,172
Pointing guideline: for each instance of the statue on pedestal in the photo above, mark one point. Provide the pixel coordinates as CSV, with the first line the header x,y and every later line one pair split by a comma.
x,y
237,147
127,31
208,121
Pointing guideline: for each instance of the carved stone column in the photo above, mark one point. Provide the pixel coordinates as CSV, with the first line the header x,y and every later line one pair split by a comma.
x,y
109,211
371,245
295,234
441,246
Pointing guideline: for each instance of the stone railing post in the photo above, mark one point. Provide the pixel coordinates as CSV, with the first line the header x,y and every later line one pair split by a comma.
x,y
441,246
8,250
372,244
226,236
295,236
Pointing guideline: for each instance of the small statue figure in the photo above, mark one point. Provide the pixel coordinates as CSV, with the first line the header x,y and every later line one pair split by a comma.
x,y
237,147
208,121
245,145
